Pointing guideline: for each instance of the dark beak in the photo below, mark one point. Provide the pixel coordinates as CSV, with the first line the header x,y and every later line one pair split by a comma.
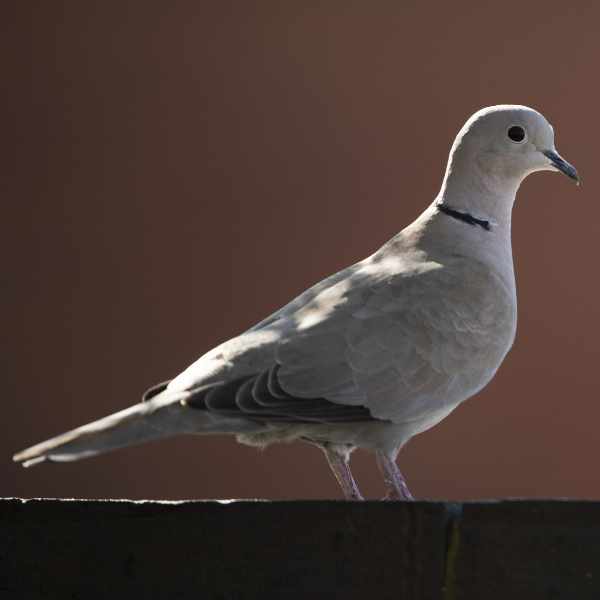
x,y
562,165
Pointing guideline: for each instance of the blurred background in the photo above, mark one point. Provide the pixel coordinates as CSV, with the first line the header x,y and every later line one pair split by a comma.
x,y
175,171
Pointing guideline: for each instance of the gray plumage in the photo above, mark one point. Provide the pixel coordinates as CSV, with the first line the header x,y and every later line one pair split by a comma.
x,y
378,352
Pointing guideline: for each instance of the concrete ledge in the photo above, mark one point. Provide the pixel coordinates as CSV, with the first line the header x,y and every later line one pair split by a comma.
x,y
324,549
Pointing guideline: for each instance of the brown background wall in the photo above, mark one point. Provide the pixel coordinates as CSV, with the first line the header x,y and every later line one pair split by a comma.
x,y
174,171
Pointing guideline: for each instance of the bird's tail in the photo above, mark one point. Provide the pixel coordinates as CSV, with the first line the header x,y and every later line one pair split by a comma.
x,y
163,415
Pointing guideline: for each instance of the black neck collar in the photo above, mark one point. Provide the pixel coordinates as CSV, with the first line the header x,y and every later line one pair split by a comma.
x,y
464,217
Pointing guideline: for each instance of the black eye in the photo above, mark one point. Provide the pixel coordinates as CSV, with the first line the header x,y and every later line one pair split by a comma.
x,y
516,133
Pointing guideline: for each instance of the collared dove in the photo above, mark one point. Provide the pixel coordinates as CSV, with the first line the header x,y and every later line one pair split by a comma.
x,y
374,354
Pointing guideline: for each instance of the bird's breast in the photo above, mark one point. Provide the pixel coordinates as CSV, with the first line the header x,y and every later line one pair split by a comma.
x,y
451,343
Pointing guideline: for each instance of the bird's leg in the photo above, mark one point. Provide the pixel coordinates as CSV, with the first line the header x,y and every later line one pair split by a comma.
x,y
394,480
338,458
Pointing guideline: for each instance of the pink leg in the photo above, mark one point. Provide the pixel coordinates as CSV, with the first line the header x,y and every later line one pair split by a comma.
x,y
394,481
338,458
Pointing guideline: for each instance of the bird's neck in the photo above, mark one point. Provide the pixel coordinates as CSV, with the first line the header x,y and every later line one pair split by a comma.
x,y
482,196
482,228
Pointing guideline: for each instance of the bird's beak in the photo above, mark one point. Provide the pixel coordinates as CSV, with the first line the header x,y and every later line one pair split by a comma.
x,y
561,164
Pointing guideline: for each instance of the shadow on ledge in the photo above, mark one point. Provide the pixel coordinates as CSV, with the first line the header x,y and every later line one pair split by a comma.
x,y
91,550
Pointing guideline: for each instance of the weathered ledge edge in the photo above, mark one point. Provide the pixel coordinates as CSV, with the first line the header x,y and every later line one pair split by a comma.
x,y
67,548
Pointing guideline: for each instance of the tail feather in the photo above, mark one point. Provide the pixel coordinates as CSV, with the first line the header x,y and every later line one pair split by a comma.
x,y
124,428
164,415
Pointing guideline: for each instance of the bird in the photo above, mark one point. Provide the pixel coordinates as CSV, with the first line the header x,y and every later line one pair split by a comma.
x,y
378,352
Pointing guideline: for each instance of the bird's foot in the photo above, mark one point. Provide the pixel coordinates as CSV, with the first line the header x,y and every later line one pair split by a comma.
x,y
394,496
394,480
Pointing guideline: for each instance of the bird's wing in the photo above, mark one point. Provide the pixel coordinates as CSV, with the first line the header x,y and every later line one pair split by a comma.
x,y
403,344
383,340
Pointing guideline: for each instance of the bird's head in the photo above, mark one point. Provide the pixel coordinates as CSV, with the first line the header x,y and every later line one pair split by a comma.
x,y
506,143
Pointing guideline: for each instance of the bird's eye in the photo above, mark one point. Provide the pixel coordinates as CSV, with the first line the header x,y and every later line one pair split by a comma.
x,y
516,134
